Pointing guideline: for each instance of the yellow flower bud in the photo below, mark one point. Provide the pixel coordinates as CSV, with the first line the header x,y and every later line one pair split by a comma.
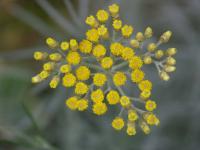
x,y
103,32
54,82
114,10
168,68
164,76
55,57
65,68
145,128
49,66
40,55
139,36
159,54
148,32
131,129
117,24
64,46
52,43
148,60
134,43
36,79
91,21
165,36
151,47
73,44
170,61
171,51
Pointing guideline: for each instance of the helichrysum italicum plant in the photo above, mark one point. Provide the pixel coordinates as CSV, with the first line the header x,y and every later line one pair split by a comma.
x,y
99,67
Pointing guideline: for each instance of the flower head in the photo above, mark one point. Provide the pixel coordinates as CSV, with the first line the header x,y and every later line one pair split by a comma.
x,y
102,66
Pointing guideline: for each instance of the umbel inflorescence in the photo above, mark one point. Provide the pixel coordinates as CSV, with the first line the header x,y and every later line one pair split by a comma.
x,y
100,66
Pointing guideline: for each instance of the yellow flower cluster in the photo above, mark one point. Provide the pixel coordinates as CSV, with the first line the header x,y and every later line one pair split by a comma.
x,y
99,67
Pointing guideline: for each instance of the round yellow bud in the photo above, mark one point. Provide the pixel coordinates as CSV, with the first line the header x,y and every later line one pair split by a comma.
x,y
82,104
102,15
134,43
119,78
117,24
99,51
118,123
139,37
113,97
127,31
99,79
54,82
150,105
73,44
106,62
69,80
165,36
82,73
151,47
92,35
132,115
85,46
135,62
114,10
164,76
72,103
137,75
159,54
147,60
171,51
148,32
127,53
64,46
81,88
97,96
99,108
125,101
73,58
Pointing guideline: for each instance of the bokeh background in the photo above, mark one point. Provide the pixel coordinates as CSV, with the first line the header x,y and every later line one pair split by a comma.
x,y
34,117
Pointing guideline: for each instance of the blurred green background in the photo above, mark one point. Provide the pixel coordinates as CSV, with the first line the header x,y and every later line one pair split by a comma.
x,y
35,117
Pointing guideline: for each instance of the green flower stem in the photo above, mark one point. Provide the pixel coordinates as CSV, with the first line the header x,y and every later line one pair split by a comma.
x,y
116,67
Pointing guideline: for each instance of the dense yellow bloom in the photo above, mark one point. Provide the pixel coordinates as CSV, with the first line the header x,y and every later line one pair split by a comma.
x,y
145,94
91,21
119,78
127,53
65,68
150,105
92,35
118,123
116,48
81,88
113,97
73,58
69,80
82,104
151,119
49,66
99,79
137,75
125,101
97,96
99,108
114,10
127,31
72,103
99,51
106,62
83,73
55,57
54,82
85,46
132,116
102,15
117,24
40,55
131,129
145,85
51,42
64,46
103,32
135,62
